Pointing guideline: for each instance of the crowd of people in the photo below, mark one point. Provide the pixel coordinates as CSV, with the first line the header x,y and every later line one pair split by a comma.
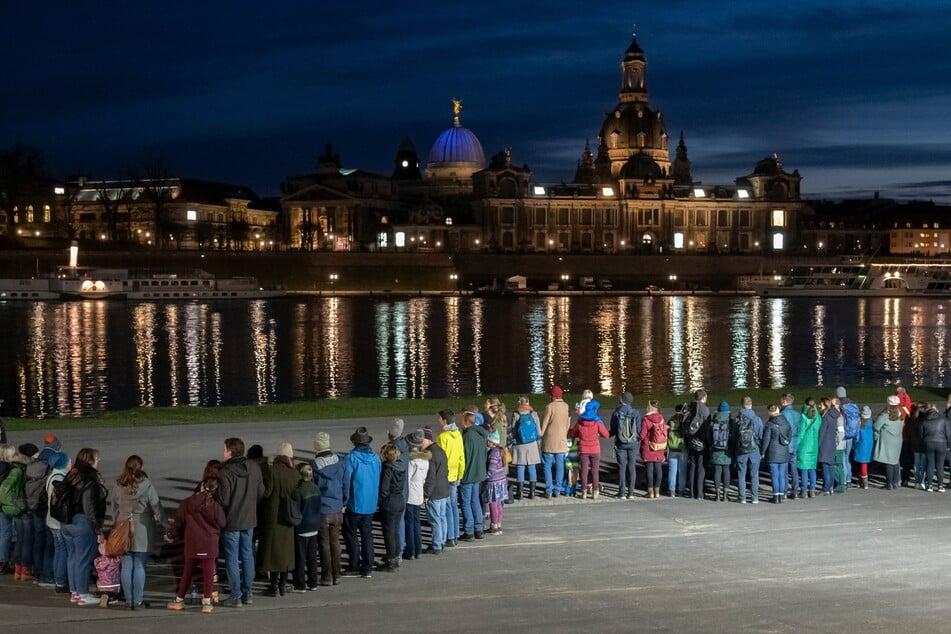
x,y
283,520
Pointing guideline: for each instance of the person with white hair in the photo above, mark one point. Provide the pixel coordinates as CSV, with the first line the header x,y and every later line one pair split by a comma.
x,y
277,543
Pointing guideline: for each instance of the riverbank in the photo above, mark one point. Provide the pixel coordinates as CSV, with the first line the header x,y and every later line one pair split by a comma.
x,y
349,408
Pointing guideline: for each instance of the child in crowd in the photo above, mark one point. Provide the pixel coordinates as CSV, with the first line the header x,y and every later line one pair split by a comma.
x,y
864,443
496,483
306,533
109,576
572,467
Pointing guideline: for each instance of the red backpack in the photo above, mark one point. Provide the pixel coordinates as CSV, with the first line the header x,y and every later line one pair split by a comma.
x,y
657,437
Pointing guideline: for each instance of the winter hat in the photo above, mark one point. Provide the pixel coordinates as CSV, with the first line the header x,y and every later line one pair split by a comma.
x,y
322,442
58,460
28,449
556,392
52,442
724,407
628,398
395,429
361,437
866,412
892,400
415,440
840,392
255,452
285,449
428,434
494,437
479,419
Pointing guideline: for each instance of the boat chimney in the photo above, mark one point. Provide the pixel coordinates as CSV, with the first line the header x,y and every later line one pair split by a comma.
x,y
73,255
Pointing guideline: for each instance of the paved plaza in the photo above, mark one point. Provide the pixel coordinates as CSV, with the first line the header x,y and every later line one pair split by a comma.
x,y
866,560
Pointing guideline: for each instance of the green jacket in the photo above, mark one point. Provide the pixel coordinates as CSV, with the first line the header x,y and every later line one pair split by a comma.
x,y
887,439
475,449
717,456
276,541
808,452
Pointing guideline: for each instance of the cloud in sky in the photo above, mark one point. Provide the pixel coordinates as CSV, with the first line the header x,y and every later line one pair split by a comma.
x,y
850,93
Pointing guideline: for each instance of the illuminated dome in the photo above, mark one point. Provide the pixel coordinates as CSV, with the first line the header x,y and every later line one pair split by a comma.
x,y
457,145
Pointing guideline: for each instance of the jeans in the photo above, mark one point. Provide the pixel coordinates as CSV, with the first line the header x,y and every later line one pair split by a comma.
x,y
828,476
655,474
133,577
520,473
847,461
794,474
401,531
391,522
82,547
6,536
23,547
42,568
414,537
592,462
808,479
840,470
920,464
749,461
626,457
472,513
438,510
892,476
329,537
239,562
358,534
305,561
780,478
696,474
452,512
559,461
934,456
676,472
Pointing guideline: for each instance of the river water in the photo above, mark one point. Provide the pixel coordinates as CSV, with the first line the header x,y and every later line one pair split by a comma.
x,y
79,357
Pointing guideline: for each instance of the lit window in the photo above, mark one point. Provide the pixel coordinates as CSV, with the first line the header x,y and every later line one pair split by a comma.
x,y
678,240
400,239
742,193
779,218
448,221
381,239
191,215
777,241
607,191
539,191
59,191
699,193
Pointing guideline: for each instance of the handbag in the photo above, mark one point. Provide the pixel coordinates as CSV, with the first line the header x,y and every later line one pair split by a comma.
x,y
508,456
290,513
120,538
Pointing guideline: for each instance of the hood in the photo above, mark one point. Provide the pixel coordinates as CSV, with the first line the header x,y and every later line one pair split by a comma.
x,y
237,466
478,429
326,461
523,409
363,455
451,427
591,411
423,454
36,470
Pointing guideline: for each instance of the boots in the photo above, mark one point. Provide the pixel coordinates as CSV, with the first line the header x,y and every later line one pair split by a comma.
x,y
775,498
595,493
531,490
864,483
518,491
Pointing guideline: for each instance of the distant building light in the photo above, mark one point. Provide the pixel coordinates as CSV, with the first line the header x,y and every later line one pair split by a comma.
x,y
405,163
778,242
742,193
191,215
539,191
399,239
59,191
448,222
699,193
678,240
607,191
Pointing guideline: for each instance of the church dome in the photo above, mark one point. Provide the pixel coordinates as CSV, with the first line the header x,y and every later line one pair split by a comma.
x,y
641,166
457,145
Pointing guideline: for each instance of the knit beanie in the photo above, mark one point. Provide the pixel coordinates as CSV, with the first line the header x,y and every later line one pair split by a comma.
x,y
556,392
724,407
628,398
322,442
285,449
395,430
840,392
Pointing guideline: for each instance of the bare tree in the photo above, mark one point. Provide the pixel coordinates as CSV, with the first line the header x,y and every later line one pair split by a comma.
x,y
157,186
111,195
68,210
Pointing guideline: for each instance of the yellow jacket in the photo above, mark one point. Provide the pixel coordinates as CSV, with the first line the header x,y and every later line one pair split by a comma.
x,y
450,441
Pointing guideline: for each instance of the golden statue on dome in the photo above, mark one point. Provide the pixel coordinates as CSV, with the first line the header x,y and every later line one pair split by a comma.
x,y
456,109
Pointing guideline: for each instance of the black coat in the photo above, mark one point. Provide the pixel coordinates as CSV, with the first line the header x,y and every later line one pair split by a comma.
x,y
436,486
934,430
391,487
827,431
775,431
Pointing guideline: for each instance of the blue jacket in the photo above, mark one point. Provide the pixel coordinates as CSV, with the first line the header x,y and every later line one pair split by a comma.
x,y
625,410
332,476
864,443
757,429
365,469
827,433
793,417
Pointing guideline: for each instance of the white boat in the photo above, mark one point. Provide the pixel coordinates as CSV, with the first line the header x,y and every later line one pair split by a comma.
x,y
93,283
861,279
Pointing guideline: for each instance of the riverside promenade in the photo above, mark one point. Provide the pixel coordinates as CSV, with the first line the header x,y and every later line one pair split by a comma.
x,y
872,560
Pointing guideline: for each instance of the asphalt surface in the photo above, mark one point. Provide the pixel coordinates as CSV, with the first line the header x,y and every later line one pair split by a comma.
x,y
871,560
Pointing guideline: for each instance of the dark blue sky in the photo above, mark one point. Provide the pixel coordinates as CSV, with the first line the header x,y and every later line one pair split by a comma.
x,y
855,95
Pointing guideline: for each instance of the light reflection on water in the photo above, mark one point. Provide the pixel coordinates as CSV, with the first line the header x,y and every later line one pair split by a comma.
x,y
72,358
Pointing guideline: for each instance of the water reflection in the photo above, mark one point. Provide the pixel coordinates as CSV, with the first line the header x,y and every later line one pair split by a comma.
x,y
72,358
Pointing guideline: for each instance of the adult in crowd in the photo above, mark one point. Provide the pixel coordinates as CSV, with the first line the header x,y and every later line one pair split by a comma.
x,y
935,440
556,419
436,492
718,439
775,449
807,454
828,443
695,441
13,505
394,434
332,475
654,437
888,441
793,418
524,436
850,413
391,505
677,452
56,551
7,454
864,444
255,454
82,535
240,488
34,488
418,470
450,441
362,498
136,500
588,430
747,433
626,429
277,531
496,417
475,449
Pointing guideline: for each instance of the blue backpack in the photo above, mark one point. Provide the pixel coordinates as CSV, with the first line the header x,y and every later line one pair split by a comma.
x,y
526,431
850,412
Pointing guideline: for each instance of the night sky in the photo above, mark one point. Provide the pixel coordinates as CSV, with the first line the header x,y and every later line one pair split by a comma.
x,y
855,95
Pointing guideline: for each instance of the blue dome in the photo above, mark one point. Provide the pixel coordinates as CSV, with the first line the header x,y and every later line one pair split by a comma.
x,y
457,145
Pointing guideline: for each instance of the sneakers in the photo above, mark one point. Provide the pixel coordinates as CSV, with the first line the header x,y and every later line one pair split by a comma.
x,y
466,537
479,535
87,599
755,500
366,575
939,490
177,604
297,590
73,597
234,603
207,608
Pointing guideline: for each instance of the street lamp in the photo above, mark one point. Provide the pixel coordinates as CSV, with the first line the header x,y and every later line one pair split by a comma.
x,y
333,280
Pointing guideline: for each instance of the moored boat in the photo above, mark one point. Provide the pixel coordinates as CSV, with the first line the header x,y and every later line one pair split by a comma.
x,y
850,278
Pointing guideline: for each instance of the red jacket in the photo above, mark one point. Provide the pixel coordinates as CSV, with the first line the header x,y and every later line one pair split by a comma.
x,y
650,420
200,518
587,431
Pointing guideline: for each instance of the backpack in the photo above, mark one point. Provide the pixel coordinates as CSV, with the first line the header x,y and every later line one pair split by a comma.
x,y
34,489
850,411
61,501
12,496
675,439
721,435
745,434
627,429
526,430
695,422
658,437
